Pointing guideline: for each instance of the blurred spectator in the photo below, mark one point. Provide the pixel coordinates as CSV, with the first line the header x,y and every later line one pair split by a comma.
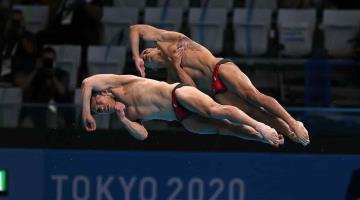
x,y
47,84
18,52
73,22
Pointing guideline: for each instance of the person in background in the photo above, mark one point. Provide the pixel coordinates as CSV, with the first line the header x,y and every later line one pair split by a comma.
x,y
75,22
18,50
46,84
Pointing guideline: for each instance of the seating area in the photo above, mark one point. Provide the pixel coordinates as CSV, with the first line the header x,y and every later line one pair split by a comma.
x,y
209,21
11,99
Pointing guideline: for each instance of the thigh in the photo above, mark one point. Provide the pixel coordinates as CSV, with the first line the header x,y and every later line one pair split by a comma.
x,y
256,112
194,100
235,80
230,98
200,125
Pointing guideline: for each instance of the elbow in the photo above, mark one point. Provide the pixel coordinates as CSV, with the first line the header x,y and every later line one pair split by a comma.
x,y
85,82
133,28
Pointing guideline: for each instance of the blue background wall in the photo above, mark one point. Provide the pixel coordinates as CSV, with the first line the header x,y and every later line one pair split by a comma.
x,y
79,174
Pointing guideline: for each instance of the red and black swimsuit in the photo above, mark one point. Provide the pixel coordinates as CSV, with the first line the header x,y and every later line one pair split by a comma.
x,y
217,85
180,112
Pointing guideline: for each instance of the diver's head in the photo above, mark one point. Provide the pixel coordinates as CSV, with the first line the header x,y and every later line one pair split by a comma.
x,y
102,102
154,58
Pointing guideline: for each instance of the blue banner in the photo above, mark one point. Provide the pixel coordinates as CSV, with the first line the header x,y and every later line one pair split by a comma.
x,y
187,176
87,175
25,173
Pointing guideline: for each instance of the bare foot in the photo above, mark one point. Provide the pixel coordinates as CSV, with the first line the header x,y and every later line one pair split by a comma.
x,y
307,138
286,130
302,134
270,135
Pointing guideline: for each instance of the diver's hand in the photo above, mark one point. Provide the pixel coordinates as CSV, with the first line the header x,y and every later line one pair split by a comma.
x,y
120,110
140,67
89,123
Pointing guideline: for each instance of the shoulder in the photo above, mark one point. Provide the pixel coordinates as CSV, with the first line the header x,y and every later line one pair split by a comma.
x,y
189,44
170,36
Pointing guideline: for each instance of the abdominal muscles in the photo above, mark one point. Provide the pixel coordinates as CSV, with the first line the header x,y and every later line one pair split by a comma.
x,y
150,112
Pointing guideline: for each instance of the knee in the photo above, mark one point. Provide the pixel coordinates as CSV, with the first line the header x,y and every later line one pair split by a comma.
x,y
254,96
220,111
251,94
213,111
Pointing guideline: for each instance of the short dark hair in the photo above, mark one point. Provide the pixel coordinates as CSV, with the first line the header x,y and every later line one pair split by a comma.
x,y
93,94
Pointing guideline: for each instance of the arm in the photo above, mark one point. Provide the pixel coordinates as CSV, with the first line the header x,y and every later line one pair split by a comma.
x,y
184,77
102,82
135,129
88,119
60,88
180,72
98,83
148,33
171,76
30,78
61,81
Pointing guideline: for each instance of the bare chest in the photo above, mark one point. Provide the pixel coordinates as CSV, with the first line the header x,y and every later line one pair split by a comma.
x,y
147,102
